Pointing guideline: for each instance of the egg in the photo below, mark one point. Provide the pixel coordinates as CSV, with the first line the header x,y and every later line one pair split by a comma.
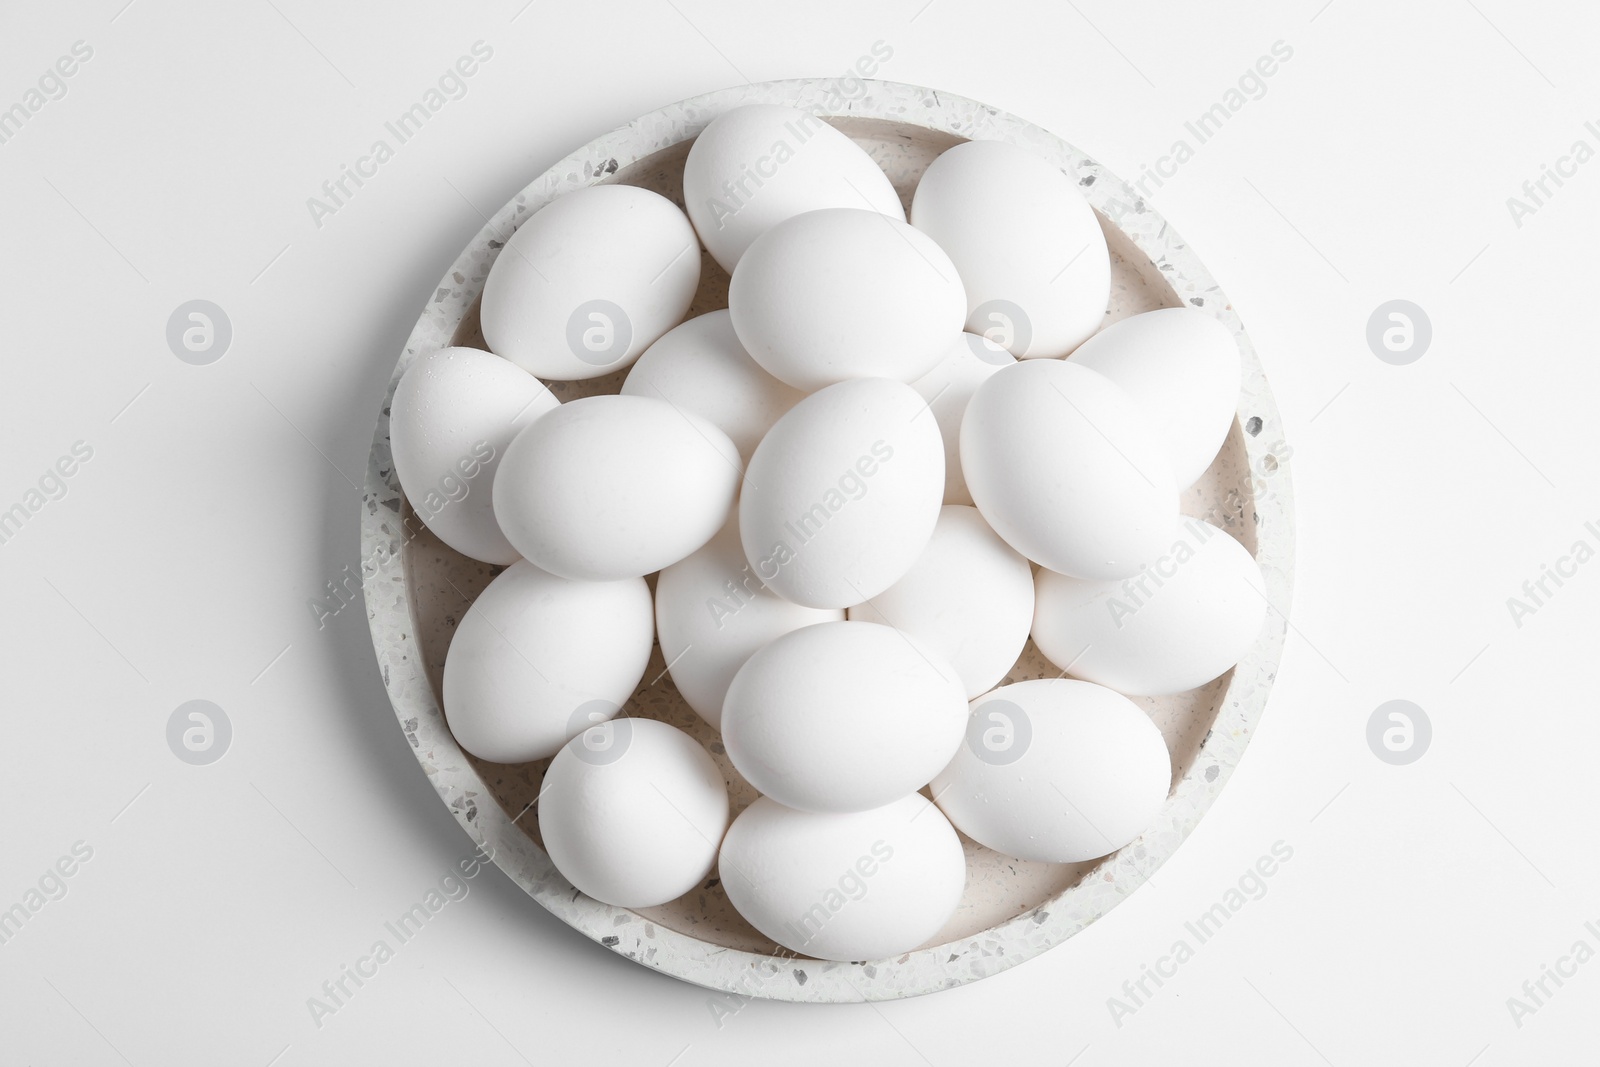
x,y
700,366
1180,367
864,886
968,362
845,293
1066,471
1029,248
1055,770
1185,619
589,281
843,716
612,486
635,818
713,613
843,493
969,597
454,413
752,167
538,658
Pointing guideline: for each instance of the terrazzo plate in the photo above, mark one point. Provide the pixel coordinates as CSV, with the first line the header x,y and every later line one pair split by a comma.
x,y
417,589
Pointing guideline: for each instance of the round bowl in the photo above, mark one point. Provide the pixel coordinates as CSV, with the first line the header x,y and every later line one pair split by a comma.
x,y
417,589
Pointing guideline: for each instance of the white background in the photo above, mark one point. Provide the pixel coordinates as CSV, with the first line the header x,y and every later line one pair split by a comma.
x,y
219,501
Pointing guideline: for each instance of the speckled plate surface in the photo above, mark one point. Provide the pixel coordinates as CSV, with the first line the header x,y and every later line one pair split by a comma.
x,y
417,589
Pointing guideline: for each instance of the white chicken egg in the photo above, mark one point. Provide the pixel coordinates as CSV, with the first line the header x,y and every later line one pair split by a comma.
x,y
969,597
754,166
612,486
1031,254
1066,471
538,658
1182,621
1180,367
967,364
454,413
589,281
845,293
843,716
1055,770
632,812
713,613
869,885
700,366
843,493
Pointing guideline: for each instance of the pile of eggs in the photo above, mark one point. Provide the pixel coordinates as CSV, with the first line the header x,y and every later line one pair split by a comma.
x,y
860,489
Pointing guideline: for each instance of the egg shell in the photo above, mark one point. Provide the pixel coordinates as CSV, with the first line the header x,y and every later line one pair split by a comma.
x,y
1185,619
1066,470
1055,770
589,281
537,658
700,366
632,812
864,886
1181,369
612,486
845,293
454,413
842,716
1029,248
843,493
752,167
969,597
713,613
968,363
